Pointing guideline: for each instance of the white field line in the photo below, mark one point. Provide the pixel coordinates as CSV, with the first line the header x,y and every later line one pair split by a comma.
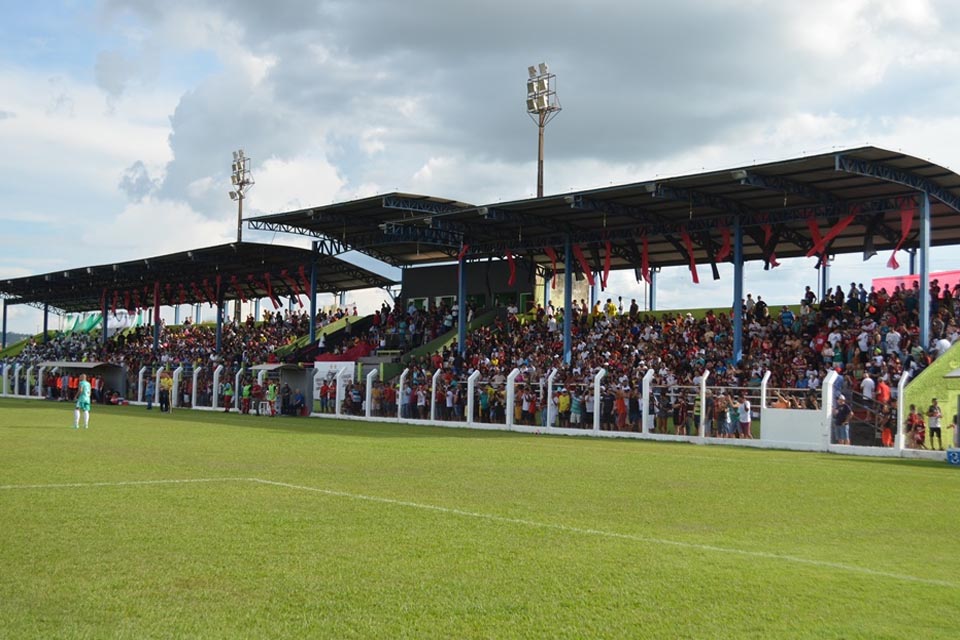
x,y
127,483
516,521
613,534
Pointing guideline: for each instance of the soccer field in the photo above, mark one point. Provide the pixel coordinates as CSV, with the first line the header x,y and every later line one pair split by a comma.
x,y
205,525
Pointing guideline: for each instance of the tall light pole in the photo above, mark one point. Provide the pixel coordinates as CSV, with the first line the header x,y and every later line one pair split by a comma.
x,y
242,180
542,107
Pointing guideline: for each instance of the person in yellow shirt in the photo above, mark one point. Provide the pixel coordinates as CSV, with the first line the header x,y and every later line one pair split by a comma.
x,y
563,409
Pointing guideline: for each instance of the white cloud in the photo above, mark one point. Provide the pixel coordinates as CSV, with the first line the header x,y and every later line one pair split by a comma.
x,y
155,227
295,183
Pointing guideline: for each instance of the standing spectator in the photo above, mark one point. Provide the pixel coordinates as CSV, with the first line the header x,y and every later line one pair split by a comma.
x,y
150,392
227,396
841,421
935,414
746,416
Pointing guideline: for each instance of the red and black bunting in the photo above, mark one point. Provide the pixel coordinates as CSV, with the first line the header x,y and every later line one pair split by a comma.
x,y
553,265
906,225
688,244
584,265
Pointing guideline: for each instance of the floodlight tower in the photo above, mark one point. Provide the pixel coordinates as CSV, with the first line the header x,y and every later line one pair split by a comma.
x,y
542,107
242,180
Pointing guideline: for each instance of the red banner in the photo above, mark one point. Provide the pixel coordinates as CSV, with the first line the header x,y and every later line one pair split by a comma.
x,y
513,269
820,247
292,285
725,248
553,264
236,287
645,260
584,265
208,292
906,225
266,278
767,234
304,280
688,244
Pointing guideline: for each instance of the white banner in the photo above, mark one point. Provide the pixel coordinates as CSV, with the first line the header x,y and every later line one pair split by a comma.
x,y
329,371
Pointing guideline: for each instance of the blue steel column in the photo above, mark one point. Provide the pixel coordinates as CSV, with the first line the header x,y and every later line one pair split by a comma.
x,y
824,278
176,314
546,289
567,296
462,306
913,261
653,288
925,271
593,295
46,321
737,291
313,291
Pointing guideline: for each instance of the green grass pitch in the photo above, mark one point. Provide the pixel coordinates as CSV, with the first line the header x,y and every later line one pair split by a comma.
x,y
200,525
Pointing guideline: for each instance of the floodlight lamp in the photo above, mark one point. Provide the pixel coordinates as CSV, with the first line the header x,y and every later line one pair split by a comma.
x,y
234,156
531,87
531,105
543,85
739,174
239,154
542,103
234,179
233,195
544,69
532,71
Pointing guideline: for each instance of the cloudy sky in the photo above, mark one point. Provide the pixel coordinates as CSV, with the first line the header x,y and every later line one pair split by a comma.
x,y
118,117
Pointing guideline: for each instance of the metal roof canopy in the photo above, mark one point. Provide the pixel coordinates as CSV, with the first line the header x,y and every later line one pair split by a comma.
x,y
66,364
870,183
82,289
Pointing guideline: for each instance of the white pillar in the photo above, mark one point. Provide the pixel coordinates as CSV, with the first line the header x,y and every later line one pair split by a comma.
x,y
511,395
471,396
216,387
549,409
16,378
371,377
400,392
41,381
826,407
763,392
237,381
140,376
647,424
341,391
899,443
433,394
156,386
703,402
3,378
597,379
193,390
31,391
175,391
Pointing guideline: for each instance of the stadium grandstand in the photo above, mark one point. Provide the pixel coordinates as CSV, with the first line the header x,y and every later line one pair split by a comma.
x,y
477,341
